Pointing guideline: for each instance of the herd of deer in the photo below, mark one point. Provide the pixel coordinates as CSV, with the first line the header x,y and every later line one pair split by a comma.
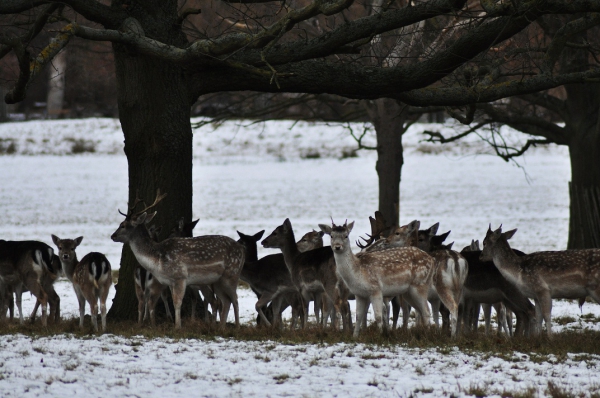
x,y
397,268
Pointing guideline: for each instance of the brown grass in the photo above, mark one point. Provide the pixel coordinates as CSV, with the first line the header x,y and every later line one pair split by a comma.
x,y
583,342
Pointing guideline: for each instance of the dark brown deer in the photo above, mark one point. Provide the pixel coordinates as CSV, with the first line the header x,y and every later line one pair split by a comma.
x,y
91,278
312,272
387,273
542,276
270,280
51,274
178,262
22,267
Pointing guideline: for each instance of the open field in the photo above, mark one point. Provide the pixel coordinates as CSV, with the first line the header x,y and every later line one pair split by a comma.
x,y
248,183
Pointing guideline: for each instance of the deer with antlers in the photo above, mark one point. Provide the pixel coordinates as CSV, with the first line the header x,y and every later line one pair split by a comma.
x,y
386,273
542,276
178,262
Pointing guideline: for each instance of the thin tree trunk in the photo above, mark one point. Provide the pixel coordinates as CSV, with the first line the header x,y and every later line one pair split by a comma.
x,y
389,119
56,85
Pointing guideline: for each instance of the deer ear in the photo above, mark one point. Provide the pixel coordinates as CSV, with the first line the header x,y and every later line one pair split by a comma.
x,y
241,235
414,225
258,235
150,217
287,224
55,239
193,223
509,234
325,229
139,219
433,229
350,226
78,241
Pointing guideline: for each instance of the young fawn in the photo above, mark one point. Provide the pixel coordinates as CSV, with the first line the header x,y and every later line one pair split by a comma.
x,y
91,278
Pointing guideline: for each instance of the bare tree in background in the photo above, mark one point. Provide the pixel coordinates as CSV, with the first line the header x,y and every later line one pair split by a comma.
x,y
168,53
568,116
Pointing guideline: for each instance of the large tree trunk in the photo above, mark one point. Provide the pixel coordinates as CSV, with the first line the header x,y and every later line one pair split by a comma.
x,y
389,119
584,149
154,110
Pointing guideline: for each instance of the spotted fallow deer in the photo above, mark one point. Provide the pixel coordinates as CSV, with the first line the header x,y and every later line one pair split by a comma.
x,y
312,272
149,289
387,273
91,278
542,276
451,270
23,266
178,262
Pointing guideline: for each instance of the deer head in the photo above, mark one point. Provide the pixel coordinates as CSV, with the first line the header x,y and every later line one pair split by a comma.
x,y
492,239
136,221
66,247
339,235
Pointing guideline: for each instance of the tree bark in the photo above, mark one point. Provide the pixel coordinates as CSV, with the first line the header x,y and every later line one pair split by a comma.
x,y
389,119
56,85
583,126
154,110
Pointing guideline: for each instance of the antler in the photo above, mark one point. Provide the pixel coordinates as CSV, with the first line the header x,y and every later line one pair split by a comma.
x,y
378,225
137,201
158,198
132,207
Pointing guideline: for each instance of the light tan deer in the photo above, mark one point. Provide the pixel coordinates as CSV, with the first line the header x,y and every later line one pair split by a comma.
x,y
23,265
542,276
91,278
387,273
451,270
178,262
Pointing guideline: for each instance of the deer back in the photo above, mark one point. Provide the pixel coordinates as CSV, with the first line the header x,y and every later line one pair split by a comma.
x,y
93,268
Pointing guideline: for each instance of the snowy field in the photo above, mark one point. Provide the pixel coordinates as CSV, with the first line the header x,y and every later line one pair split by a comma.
x,y
248,179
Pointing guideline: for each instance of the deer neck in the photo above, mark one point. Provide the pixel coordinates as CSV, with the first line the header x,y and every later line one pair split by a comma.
x,y
144,249
69,267
290,250
345,260
507,262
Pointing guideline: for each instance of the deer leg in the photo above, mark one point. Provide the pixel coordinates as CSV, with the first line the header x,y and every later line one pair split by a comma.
x,y
487,316
34,312
195,299
418,298
264,299
81,301
396,305
501,315
509,321
18,294
139,293
405,311
435,310
178,291
165,300
208,297
362,304
103,298
377,302
94,313
317,305
545,301
36,289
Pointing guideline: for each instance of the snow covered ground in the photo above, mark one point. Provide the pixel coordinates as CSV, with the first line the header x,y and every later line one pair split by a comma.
x,y
248,179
